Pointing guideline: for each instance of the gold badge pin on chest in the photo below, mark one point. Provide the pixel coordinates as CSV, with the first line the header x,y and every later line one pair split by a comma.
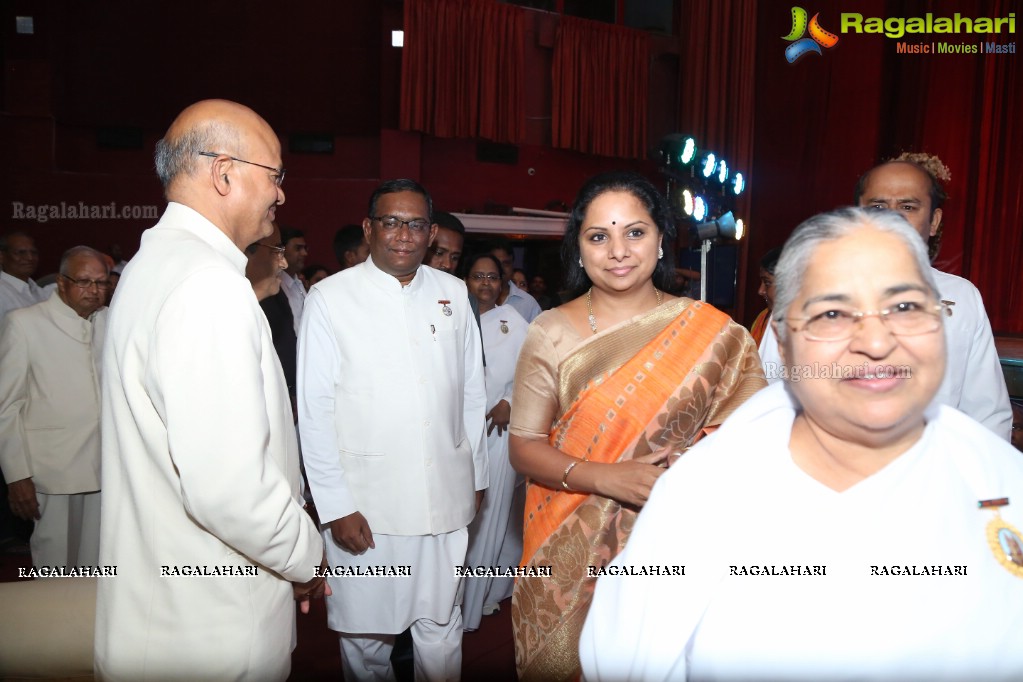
x,y
1005,540
504,326
446,309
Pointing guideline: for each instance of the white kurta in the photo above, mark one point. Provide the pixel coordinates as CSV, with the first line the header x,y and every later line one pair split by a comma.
x,y
974,382
495,535
200,469
15,293
391,411
737,499
50,397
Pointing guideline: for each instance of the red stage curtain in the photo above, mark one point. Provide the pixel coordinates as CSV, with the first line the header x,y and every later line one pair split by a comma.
x,y
717,77
601,76
462,69
994,212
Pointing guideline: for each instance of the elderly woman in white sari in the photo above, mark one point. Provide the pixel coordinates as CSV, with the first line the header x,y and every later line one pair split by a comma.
x,y
839,525
495,535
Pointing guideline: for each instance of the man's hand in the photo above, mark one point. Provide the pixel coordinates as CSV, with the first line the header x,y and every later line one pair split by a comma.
x,y
22,497
479,499
499,417
352,533
313,589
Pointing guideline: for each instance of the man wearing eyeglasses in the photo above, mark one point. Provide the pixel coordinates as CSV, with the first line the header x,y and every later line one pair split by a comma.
x,y
265,267
19,259
50,412
391,412
202,512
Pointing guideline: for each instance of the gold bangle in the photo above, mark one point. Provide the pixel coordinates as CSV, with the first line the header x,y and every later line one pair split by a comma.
x,y
564,476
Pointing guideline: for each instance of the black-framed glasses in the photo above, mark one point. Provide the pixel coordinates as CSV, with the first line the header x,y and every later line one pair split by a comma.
x,y
278,173
100,284
393,222
279,250
903,319
488,276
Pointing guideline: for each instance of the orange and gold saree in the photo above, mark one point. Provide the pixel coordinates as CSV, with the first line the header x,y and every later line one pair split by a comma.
x,y
657,381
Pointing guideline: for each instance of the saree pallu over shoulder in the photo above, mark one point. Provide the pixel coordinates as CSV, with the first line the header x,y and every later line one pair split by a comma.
x,y
658,381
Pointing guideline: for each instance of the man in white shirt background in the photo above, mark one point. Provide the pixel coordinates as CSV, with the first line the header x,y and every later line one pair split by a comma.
x,y
19,260
295,251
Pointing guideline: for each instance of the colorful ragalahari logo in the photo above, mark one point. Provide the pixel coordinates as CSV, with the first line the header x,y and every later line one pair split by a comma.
x,y
818,36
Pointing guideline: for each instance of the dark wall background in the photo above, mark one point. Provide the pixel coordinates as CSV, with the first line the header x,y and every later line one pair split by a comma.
x,y
317,66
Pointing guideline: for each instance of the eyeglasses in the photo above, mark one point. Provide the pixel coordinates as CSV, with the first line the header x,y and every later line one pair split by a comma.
x,y
488,276
278,173
100,284
390,222
903,319
279,250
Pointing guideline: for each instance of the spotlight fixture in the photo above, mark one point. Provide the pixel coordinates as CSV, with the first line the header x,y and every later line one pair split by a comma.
x,y
738,183
687,202
699,208
722,171
677,150
740,229
688,151
709,162
725,227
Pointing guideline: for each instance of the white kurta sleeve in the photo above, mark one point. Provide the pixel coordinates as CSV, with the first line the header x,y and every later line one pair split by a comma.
x,y
14,368
985,396
218,427
319,370
475,404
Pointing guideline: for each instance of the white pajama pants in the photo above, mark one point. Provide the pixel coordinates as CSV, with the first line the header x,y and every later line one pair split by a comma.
x,y
437,651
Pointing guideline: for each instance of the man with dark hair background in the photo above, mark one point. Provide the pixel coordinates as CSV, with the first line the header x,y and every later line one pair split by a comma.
x,y
295,251
350,246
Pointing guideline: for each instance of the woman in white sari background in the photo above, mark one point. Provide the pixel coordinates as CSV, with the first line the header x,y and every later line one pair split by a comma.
x,y
495,535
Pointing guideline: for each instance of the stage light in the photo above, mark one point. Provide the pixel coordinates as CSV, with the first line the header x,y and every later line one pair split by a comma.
x,y
709,162
725,227
722,171
677,150
687,202
699,208
688,151
740,229
738,183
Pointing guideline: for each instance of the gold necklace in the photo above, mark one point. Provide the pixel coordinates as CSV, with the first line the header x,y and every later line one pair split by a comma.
x,y
589,308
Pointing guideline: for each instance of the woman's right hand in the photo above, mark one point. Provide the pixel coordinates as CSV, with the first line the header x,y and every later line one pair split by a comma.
x,y
630,481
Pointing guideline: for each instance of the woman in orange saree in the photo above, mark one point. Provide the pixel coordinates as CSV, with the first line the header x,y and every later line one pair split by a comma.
x,y
608,387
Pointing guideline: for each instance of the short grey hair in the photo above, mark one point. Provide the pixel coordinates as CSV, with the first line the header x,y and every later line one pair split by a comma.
x,y
81,251
179,155
827,227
